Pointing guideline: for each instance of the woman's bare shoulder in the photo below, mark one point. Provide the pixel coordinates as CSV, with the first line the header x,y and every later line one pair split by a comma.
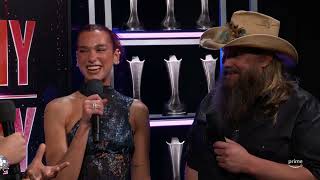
x,y
139,114
63,111
58,103
62,104
139,106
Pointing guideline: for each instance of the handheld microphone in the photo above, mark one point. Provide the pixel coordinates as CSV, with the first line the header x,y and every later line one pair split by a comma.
x,y
7,118
95,86
215,128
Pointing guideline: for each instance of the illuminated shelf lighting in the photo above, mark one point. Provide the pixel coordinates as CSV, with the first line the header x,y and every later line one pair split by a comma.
x,y
152,42
162,35
178,122
24,96
162,38
158,120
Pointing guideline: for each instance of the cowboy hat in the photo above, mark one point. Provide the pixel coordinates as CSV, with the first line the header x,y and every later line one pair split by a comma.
x,y
249,29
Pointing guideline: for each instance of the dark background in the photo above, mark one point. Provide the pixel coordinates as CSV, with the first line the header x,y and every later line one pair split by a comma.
x,y
52,70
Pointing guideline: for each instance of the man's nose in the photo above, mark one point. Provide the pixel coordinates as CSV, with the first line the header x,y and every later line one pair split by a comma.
x,y
227,62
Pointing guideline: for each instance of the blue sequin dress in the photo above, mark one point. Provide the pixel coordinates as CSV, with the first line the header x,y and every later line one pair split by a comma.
x,y
110,159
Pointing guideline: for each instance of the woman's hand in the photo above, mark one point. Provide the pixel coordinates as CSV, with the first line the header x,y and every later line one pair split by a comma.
x,y
92,105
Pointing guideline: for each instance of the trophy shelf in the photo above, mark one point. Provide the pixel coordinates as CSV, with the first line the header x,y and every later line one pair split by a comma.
x,y
158,120
159,38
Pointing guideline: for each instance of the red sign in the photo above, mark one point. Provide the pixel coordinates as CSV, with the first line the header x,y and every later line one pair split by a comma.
x,y
22,44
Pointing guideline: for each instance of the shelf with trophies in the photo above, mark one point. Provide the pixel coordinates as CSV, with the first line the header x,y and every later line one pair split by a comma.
x,y
169,23
175,79
175,85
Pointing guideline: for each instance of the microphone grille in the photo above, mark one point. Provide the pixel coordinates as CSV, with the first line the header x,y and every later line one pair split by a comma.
x,y
7,111
94,86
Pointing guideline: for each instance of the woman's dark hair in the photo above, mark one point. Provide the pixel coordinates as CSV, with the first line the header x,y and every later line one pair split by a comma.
x,y
92,27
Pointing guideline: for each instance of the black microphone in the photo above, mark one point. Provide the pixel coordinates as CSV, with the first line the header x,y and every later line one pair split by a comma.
x,y
95,86
7,118
215,128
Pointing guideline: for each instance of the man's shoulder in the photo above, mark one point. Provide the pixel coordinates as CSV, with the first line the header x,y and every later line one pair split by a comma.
x,y
301,104
303,96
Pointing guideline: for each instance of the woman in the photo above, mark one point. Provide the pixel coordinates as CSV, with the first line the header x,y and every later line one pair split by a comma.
x,y
124,147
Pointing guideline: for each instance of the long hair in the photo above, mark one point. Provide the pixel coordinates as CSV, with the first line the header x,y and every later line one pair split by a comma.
x,y
277,88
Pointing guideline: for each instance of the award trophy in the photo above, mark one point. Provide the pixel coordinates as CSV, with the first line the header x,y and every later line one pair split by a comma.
x,y
133,22
169,22
136,67
209,66
203,21
174,106
175,149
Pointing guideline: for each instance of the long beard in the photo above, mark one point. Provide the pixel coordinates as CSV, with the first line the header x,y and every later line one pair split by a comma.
x,y
236,101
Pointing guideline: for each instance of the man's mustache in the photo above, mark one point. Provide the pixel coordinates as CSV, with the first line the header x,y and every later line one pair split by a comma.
x,y
230,70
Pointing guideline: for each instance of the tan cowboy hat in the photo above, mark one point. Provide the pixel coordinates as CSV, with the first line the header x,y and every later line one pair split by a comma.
x,y
249,29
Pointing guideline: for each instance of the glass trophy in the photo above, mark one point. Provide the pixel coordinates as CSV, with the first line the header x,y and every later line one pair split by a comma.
x,y
175,150
169,22
133,23
174,106
136,67
203,21
209,66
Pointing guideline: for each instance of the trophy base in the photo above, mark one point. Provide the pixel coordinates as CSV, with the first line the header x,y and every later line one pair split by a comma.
x,y
203,28
135,29
167,26
171,28
204,24
174,109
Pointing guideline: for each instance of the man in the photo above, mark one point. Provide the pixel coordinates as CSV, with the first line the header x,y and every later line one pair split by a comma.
x,y
12,151
270,124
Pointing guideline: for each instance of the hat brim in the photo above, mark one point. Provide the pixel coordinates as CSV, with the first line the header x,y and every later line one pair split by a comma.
x,y
210,40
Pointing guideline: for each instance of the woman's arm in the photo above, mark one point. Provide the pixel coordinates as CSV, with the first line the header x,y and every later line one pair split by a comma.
x,y
139,115
190,174
58,151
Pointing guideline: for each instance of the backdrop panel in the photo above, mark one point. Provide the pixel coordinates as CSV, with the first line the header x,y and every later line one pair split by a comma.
x,y
34,61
